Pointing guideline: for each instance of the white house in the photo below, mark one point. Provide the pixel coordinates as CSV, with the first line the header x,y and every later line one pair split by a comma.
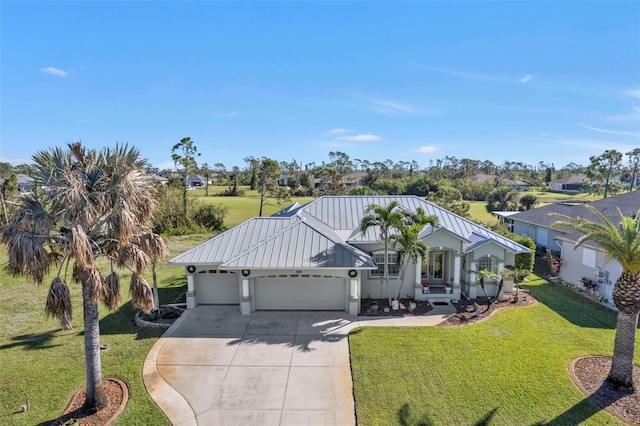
x,y
588,260
315,257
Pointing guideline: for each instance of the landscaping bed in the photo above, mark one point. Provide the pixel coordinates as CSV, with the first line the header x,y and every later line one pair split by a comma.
x,y
467,309
368,308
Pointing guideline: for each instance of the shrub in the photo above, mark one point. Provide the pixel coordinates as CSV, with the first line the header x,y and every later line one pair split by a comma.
x,y
211,216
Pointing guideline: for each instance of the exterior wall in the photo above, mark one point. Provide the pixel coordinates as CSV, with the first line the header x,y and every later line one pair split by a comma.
x,y
573,269
543,237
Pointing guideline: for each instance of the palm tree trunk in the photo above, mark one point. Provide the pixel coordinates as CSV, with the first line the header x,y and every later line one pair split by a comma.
x,y
96,398
621,373
156,297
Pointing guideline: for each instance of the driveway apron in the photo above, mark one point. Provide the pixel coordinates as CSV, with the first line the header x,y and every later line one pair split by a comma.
x,y
217,367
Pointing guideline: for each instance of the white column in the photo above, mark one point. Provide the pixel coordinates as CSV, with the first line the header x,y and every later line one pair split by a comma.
x,y
245,288
500,268
354,289
191,296
418,270
457,269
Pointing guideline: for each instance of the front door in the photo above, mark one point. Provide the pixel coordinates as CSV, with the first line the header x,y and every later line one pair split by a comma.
x,y
436,271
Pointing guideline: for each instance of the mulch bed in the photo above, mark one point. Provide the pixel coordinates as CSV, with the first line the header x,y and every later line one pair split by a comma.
x,y
117,397
422,307
589,372
466,311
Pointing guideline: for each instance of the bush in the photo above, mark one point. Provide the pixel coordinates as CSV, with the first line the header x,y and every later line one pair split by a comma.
x,y
211,216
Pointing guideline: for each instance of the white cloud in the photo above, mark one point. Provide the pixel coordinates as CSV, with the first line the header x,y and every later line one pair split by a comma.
x,y
457,73
427,149
365,137
611,132
527,78
632,93
225,114
338,132
54,71
15,160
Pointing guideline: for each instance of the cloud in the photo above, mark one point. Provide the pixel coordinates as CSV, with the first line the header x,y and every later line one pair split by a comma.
x,y
15,160
611,132
389,107
527,78
54,71
365,137
632,93
457,73
338,132
225,114
427,149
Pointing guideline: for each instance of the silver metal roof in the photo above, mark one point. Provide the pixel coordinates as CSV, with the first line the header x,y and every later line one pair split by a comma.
x,y
309,236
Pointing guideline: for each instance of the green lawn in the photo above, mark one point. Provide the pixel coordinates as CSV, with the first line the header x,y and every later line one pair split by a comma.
x,y
509,370
46,363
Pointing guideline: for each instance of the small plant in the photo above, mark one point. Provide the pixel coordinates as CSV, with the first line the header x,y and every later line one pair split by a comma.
x,y
589,284
447,285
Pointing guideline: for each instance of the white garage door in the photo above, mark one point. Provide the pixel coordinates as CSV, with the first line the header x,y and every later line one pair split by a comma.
x,y
284,293
217,288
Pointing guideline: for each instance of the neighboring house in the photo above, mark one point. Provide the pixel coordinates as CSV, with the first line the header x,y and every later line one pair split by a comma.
x,y
567,184
25,183
354,180
314,257
514,185
588,260
159,179
195,181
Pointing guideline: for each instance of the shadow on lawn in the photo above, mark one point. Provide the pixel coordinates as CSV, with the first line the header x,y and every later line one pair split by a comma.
x,y
573,307
32,341
581,411
406,417
121,321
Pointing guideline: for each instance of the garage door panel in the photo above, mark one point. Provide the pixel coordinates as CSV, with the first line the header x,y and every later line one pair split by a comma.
x,y
217,289
300,294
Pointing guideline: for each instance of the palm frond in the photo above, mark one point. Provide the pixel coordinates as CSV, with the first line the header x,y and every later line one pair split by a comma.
x,y
113,295
152,244
58,303
134,258
80,247
27,256
141,294
91,279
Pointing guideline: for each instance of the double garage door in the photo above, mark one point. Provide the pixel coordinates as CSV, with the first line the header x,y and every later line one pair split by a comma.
x,y
273,293
280,293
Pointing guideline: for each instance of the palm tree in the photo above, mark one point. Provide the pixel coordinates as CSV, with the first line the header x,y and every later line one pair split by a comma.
x,y
620,243
97,204
407,241
386,218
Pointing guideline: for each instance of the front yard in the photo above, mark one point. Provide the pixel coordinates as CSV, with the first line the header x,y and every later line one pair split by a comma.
x,y
510,369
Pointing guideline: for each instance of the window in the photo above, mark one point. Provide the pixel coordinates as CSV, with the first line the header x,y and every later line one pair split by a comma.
x,y
588,257
485,263
378,258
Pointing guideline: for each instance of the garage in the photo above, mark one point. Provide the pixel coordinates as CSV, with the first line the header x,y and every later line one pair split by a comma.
x,y
320,293
215,287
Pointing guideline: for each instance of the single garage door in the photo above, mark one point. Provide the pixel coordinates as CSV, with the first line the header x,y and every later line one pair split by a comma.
x,y
217,288
281,293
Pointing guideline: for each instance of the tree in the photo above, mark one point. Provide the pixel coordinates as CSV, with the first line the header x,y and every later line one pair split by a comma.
x,y
620,243
8,188
386,219
407,242
253,164
634,165
603,167
502,199
528,201
206,173
269,170
184,154
98,204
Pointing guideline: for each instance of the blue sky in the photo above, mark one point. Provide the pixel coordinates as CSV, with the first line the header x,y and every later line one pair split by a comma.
x,y
517,81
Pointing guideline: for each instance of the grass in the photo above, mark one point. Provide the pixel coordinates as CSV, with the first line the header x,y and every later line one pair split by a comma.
x,y
511,369
37,358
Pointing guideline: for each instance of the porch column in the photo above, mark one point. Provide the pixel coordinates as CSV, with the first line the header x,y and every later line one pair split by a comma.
x,y
419,270
245,302
191,295
354,299
473,278
457,269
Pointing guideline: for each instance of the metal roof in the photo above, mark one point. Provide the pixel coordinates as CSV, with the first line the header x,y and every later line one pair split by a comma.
x,y
309,236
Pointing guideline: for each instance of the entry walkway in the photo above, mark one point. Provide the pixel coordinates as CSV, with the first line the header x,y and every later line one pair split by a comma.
x,y
217,367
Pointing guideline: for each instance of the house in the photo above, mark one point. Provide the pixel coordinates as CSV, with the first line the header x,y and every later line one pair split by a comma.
x,y
588,260
161,180
314,257
567,184
195,181
514,185
354,180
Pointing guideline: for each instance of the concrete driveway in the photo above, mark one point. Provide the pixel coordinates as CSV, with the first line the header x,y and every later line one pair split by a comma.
x,y
217,367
